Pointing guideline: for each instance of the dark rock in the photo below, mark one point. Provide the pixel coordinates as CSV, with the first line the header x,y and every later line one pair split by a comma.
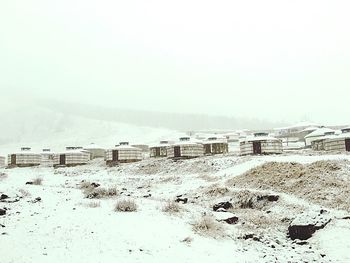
x,y
3,196
224,205
95,185
38,199
250,236
346,217
302,243
29,182
232,220
146,196
305,225
1,225
302,232
183,200
270,198
322,211
2,212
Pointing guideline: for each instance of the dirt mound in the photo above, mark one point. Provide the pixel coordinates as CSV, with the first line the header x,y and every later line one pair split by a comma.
x,y
322,182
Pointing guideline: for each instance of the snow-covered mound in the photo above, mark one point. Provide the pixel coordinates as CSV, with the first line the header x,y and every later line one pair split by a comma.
x,y
184,211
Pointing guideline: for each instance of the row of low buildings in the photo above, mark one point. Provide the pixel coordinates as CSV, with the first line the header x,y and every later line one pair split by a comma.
x,y
185,148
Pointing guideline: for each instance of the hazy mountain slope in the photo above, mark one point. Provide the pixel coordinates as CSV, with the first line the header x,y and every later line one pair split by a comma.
x,y
41,127
175,121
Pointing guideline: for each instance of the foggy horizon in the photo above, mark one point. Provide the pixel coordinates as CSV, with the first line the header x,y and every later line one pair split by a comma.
x,y
278,61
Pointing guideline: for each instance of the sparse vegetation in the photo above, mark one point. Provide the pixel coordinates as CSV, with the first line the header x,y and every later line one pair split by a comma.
x,y
217,191
127,205
24,193
171,207
322,182
3,176
93,204
100,192
207,226
85,185
187,240
37,181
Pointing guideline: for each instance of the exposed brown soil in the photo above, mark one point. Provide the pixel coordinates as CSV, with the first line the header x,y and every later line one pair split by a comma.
x,y
323,182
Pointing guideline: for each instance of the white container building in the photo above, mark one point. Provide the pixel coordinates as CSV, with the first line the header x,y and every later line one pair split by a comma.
x,y
72,156
25,158
186,148
338,143
260,143
47,157
123,153
215,145
159,150
2,161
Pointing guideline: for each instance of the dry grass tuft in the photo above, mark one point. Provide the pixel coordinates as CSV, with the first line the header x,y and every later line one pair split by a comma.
x,y
3,176
207,226
217,191
171,207
37,181
187,240
100,192
85,185
24,193
127,205
93,204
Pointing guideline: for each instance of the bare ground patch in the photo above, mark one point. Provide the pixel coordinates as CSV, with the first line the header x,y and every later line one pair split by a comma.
x,y
322,182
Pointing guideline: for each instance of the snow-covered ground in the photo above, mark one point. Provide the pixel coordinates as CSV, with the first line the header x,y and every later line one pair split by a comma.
x,y
65,226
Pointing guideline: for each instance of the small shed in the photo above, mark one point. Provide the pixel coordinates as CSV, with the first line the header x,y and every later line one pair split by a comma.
x,y
338,143
72,156
215,145
25,158
159,150
186,148
260,143
317,135
95,151
123,153
47,157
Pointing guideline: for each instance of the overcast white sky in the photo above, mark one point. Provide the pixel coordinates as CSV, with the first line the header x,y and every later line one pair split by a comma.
x,y
265,59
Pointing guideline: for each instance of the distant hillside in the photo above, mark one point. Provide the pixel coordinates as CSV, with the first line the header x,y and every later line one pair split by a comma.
x,y
40,127
173,121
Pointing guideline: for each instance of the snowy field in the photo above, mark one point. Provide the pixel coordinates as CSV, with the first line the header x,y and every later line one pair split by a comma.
x,y
59,219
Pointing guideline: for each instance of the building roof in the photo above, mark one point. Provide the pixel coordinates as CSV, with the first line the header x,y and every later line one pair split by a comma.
x,y
215,139
259,138
126,147
66,151
160,144
299,125
341,136
26,150
188,141
319,132
310,129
